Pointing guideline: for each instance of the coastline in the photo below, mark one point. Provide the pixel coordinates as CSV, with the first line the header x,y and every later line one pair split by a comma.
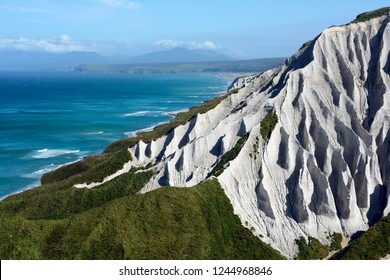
x,y
228,79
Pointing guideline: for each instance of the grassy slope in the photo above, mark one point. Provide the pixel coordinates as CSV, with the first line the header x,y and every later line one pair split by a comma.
x,y
169,223
373,14
372,245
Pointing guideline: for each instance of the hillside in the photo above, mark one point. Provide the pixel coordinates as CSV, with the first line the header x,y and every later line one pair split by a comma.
x,y
294,157
231,66
372,245
112,222
179,55
24,60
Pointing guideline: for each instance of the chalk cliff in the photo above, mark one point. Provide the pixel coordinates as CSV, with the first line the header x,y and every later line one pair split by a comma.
x,y
324,167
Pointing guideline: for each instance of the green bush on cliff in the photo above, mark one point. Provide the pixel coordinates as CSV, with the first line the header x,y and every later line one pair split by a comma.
x,y
312,250
335,243
267,125
229,156
373,14
92,169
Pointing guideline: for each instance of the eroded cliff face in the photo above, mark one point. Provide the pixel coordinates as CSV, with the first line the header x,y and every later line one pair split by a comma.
x,y
326,165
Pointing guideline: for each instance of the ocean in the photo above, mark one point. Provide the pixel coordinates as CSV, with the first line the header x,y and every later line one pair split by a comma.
x,y
48,119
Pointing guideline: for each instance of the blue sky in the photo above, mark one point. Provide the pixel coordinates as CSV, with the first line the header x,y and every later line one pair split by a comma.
x,y
243,29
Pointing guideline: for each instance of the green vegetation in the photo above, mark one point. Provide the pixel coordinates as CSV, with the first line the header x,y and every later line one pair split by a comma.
x,y
315,250
229,156
372,245
335,243
306,44
112,222
93,169
57,195
56,201
373,14
255,148
268,124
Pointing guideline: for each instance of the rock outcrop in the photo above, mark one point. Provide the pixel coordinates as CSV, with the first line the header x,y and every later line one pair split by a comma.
x,y
326,165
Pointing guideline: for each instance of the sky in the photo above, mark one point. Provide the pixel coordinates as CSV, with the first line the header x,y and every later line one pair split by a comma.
x,y
242,29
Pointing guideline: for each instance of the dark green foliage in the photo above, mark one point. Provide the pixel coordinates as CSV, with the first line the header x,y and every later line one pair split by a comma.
x,y
312,251
91,169
59,204
305,251
124,185
306,44
20,239
372,245
169,223
57,195
373,14
267,125
335,243
52,242
75,168
229,156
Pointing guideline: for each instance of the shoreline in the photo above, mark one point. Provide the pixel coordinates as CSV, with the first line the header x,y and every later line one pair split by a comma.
x,y
228,79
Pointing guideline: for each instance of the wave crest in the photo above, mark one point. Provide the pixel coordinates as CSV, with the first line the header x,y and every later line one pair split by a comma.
x,y
49,153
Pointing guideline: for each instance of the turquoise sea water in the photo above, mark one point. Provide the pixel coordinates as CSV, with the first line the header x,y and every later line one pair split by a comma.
x,y
48,119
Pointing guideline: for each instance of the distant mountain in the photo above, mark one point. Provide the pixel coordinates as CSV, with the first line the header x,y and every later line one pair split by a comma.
x,y
226,66
43,60
179,54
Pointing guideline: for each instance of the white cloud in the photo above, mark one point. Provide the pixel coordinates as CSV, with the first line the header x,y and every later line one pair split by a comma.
x,y
169,43
121,4
59,44
205,45
208,45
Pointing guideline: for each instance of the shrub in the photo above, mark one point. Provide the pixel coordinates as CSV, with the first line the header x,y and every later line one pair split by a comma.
x,y
267,125
314,250
373,14
335,243
229,156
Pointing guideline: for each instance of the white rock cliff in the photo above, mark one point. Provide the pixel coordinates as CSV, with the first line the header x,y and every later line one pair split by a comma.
x,y
326,165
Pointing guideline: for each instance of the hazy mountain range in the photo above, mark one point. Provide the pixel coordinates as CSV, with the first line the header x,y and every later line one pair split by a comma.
x,y
42,60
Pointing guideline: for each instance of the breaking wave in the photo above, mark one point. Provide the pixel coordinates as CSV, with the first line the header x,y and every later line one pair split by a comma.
x,y
49,153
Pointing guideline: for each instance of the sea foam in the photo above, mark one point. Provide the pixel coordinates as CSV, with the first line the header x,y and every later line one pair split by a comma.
x,y
49,153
